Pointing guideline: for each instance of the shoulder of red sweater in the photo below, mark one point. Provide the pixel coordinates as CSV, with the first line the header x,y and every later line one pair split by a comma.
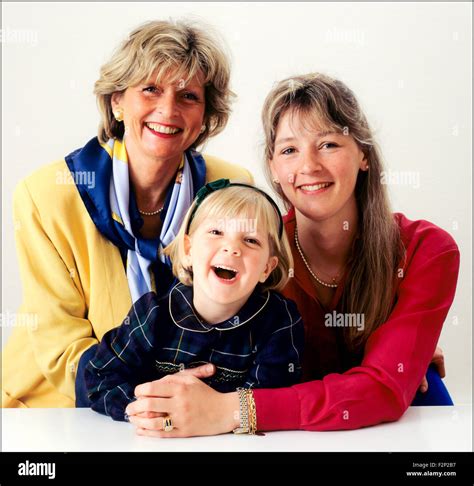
x,y
422,234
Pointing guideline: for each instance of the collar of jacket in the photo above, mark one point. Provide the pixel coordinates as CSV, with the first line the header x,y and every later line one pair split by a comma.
x,y
184,316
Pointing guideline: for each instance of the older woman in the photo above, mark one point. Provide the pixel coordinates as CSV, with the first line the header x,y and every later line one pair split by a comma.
x,y
89,227
373,287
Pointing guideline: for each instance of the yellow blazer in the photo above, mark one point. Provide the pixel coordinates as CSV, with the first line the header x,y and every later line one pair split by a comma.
x,y
74,287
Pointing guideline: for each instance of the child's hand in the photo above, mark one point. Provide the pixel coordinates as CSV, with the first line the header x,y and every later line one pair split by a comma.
x,y
201,372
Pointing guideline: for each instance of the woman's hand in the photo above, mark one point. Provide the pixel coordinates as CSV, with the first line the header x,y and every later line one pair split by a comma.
x,y
203,371
194,407
438,361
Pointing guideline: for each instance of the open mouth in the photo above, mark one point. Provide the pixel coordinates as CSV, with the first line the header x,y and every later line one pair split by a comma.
x,y
224,272
163,129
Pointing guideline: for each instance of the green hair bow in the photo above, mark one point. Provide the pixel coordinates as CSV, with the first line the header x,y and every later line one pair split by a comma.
x,y
218,184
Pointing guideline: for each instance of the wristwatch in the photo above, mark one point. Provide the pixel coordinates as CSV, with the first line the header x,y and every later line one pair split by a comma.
x,y
244,412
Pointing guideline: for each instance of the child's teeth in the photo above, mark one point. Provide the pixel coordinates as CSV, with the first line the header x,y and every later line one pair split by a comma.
x,y
226,268
227,273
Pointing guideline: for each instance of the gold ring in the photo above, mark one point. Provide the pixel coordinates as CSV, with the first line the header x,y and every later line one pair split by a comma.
x,y
167,424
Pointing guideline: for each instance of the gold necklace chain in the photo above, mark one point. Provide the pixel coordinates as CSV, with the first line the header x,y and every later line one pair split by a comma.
x,y
332,286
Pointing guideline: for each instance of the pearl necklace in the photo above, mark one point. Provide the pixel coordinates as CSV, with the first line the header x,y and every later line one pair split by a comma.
x,y
153,213
332,286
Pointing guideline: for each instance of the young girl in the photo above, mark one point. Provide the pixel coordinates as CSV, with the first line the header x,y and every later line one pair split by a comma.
x,y
230,256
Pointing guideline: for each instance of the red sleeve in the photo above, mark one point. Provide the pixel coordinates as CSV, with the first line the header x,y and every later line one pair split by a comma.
x,y
396,357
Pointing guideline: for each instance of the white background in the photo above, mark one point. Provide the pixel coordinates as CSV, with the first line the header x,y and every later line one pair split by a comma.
x,y
409,65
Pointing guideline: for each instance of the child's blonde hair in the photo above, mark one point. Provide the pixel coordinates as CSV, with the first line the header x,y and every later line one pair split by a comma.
x,y
235,202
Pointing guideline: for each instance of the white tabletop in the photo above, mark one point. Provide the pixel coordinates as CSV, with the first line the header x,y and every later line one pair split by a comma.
x,y
82,430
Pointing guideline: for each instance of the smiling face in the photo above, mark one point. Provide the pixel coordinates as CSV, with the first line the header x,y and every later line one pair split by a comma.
x,y
162,119
317,169
228,258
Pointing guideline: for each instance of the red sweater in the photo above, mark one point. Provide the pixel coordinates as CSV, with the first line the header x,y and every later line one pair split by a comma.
x,y
348,392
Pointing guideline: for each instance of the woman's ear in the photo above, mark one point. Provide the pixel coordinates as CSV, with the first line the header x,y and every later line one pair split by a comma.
x,y
271,265
115,100
364,163
273,172
272,168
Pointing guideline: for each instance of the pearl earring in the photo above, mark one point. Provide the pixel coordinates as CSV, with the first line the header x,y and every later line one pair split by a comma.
x,y
118,114
203,128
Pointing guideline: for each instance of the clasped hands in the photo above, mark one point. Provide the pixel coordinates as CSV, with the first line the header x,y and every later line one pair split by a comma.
x,y
194,407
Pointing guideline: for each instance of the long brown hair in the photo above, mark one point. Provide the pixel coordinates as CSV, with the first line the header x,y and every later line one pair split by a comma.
x,y
377,250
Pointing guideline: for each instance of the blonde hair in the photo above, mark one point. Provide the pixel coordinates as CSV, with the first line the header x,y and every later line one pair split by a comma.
x,y
235,203
327,103
157,48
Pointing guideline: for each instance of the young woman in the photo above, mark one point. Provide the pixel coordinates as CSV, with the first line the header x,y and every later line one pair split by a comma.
x,y
373,287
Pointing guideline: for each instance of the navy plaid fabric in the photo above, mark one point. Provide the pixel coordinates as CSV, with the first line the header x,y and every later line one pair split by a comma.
x,y
260,347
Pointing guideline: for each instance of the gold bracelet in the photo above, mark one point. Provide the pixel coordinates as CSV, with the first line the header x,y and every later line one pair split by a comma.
x,y
252,413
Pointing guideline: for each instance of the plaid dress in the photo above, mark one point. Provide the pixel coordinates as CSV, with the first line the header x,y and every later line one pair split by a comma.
x,y
260,347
